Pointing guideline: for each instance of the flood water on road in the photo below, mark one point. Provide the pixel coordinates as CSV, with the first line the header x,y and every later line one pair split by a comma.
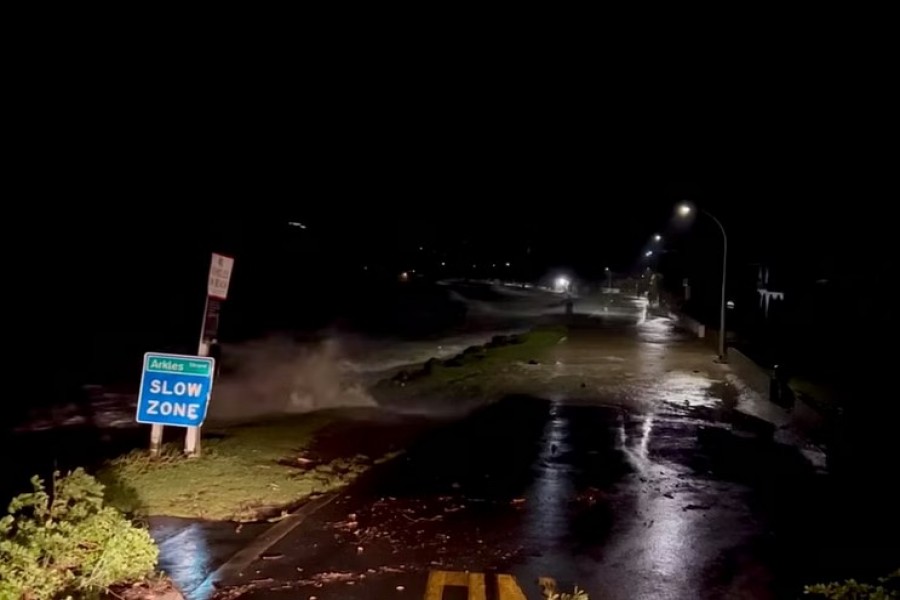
x,y
625,505
632,470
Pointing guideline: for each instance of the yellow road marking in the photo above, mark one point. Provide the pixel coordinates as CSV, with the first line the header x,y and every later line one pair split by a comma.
x,y
477,590
438,580
508,588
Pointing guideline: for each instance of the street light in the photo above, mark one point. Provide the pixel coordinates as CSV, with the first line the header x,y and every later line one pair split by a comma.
x,y
657,238
684,210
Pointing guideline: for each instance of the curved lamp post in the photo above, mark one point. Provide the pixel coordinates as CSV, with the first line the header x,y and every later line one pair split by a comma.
x,y
684,210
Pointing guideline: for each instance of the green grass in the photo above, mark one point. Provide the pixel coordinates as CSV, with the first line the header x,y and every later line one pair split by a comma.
x,y
481,367
239,476
533,347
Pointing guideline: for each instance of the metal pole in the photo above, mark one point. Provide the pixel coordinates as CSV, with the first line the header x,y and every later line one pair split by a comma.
x,y
192,435
156,434
722,308
722,356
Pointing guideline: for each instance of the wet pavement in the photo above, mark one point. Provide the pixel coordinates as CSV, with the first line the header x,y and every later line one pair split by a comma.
x,y
631,470
190,550
623,506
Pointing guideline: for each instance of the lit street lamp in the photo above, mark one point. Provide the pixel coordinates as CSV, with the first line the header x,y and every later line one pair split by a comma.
x,y
684,210
657,238
561,285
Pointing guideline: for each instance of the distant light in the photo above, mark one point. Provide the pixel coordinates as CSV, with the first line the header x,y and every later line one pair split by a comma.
x,y
648,253
507,264
296,224
561,284
365,267
473,266
684,209
730,304
421,247
443,264
657,238
494,265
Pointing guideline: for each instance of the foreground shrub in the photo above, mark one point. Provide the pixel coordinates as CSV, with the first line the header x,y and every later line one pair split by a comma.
x,y
66,542
888,588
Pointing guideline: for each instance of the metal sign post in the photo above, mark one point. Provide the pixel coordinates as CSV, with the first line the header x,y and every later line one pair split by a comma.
x,y
217,290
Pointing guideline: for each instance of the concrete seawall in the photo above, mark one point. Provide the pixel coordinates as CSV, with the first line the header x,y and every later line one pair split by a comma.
x,y
802,418
689,324
755,376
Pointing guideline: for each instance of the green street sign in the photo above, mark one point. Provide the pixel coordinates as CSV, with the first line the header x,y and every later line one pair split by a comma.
x,y
186,366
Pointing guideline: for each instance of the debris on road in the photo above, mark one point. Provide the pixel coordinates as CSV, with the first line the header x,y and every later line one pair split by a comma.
x,y
590,496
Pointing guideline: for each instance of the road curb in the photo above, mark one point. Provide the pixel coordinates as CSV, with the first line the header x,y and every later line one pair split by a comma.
x,y
249,553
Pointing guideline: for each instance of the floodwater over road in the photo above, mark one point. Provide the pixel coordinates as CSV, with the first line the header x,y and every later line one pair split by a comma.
x,y
623,505
630,470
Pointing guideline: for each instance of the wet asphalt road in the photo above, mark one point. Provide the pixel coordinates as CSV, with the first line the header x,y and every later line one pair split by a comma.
x,y
647,481
623,506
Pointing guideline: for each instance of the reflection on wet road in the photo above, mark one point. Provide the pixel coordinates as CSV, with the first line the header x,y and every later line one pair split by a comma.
x,y
191,550
591,496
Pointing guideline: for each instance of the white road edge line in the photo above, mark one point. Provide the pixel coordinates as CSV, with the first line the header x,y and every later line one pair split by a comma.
x,y
249,553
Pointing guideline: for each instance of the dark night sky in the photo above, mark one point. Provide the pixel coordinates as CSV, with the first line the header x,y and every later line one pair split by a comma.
x,y
377,196
123,195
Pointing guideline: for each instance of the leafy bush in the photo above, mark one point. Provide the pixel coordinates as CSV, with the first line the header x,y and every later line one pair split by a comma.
x,y
576,595
549,591
888,588
67,542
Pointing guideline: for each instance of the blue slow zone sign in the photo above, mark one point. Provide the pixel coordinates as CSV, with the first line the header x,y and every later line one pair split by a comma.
x,y
175,389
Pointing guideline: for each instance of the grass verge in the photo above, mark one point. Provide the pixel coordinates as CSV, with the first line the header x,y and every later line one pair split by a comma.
x,y
246,473
532,346
480,363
